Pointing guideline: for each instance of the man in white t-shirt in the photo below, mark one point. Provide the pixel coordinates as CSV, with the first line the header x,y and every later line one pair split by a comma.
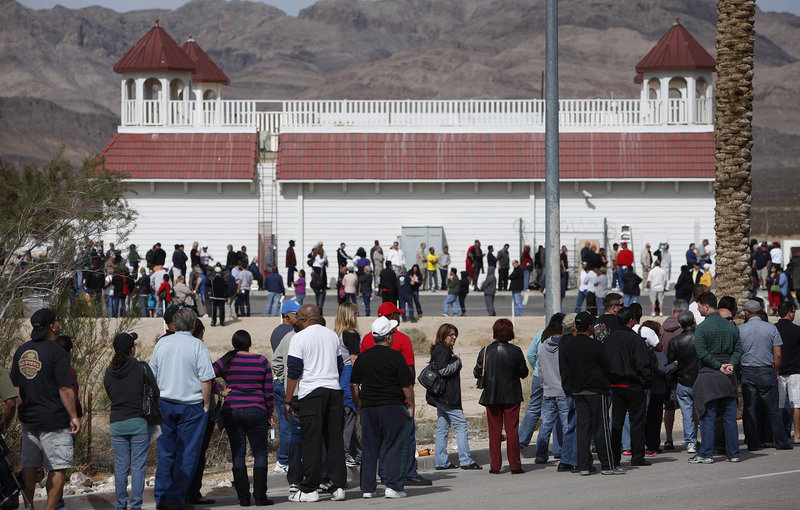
x,y
313,364
583,288
397,258
657,283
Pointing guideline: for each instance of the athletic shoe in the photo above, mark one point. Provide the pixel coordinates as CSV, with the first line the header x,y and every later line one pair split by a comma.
x,y
304,497
393,494
351,463
338,495
614,471
368,495
469,467
650,453
697,459
326,486
417,481
293,487
733,459
281,467
691,448
587,472
642,463
626,452
565,467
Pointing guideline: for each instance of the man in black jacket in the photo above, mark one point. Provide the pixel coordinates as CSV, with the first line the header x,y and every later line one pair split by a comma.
x,y
387,282
681,350
584,368
219,294
515,286
630,376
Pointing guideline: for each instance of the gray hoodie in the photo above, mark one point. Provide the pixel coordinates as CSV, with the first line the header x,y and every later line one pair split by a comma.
x,y
549,373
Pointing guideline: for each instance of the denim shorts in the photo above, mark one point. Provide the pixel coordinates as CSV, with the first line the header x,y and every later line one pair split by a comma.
x,y
52,449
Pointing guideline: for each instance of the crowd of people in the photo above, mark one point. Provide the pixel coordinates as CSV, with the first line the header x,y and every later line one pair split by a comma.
x,y
325,382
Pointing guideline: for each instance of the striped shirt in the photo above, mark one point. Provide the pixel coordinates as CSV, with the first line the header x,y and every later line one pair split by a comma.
x,y
250,380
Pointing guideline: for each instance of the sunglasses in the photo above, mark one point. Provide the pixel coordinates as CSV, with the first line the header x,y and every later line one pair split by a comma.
x,y
287,315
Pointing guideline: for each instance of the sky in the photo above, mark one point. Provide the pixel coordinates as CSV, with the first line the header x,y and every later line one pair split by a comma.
x,y
292,6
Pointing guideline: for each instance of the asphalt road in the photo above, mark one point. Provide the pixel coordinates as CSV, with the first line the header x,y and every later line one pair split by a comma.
x,y
432,303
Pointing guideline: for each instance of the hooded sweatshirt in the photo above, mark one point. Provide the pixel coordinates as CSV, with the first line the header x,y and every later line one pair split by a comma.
x,y
549,372
125,387
670,328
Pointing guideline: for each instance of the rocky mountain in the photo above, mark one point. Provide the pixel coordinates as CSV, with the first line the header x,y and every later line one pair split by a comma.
x,y
370,49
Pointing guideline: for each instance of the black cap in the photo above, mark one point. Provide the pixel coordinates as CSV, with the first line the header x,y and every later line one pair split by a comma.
x,y
584,321
124,342
169,313
41,320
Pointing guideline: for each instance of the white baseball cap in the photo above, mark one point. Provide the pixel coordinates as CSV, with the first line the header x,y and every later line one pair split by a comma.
x,y
383,326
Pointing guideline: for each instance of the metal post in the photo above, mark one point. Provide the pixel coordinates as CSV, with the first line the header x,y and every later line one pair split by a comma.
x,y
552,301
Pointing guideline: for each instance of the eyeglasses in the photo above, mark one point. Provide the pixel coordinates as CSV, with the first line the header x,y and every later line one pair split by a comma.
x,y
287,315
452,335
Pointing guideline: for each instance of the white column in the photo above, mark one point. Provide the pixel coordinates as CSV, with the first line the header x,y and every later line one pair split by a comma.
x,y
123,94
665,99
164,102
139,115
691,101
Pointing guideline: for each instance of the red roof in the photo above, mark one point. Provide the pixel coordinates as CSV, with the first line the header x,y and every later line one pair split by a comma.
x,y
156,51
677,50
206,70
314,156
213,156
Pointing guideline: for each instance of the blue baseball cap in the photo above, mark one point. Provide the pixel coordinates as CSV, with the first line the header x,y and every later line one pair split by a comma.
x,y
290,306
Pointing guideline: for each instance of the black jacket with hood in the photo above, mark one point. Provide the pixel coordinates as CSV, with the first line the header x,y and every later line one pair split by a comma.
x,y
629,358
125,388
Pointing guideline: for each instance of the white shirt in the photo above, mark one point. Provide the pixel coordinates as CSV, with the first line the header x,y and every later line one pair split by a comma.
x,y
657,278
587,282
666,258
648,334
320,260
696,312
776,255
318,348
397,257
205,257
156,279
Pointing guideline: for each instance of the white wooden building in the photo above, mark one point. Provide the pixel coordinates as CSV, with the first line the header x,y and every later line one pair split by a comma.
x,y
260,172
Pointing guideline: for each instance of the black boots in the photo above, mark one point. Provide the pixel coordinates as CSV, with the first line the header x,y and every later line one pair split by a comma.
x,y
260,486
242,485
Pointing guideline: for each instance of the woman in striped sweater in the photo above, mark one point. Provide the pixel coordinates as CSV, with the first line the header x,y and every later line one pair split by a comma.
x,y
247,412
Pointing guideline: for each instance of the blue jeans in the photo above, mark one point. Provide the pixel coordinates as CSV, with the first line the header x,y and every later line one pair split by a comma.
x,y
143,305
627,299
178,450
526,279
415,297
299,298
273,304
532,413
454,418
727,408
407,305
686,403
517,298
367,298
130,456
284,427
243,425
451,302
760,385
579,302
614,279
558,412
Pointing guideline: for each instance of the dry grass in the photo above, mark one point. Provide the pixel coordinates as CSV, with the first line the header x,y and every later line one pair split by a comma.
x,y
419,341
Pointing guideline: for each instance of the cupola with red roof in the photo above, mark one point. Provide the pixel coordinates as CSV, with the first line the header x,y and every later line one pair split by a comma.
x,y
676,78
208,79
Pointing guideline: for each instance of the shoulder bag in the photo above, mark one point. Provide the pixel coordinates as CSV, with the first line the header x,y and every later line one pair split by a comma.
x,y
481,382
430,379
151,411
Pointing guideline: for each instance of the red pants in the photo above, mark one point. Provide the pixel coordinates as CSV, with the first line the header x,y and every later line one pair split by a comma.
x,y
498,415
774,299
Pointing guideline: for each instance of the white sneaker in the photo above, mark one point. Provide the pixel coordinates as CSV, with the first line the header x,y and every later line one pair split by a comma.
x,y
368,495
293,487
281,468
338,495
304,497
391,493
691,448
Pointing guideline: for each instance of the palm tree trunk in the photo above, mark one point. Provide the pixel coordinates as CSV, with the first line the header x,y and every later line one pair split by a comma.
x,y
733,102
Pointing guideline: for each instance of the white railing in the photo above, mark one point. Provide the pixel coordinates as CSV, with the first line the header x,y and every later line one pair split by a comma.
x,y
271,116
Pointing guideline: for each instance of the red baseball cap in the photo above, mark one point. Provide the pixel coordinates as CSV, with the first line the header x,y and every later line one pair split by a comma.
x,y
388,308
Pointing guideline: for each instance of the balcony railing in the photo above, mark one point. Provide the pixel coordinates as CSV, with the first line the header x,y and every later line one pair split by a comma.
x,y
273,116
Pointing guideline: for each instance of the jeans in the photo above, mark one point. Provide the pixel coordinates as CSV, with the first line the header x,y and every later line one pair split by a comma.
x,y
601,308
290,276
579,302
273,304
558,412
130,456
451,302
759,384
614,280
143,305
532,413
178,449
432,280
627,299
284,427
320,295
454,418
247,424
415,297
299,298
516,296
407,306
350,297
727,408
366,298
686,403
526,278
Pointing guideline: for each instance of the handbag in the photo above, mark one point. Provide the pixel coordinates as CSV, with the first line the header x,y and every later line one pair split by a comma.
x,y
431,380
481,383
151,411
218,413
775,288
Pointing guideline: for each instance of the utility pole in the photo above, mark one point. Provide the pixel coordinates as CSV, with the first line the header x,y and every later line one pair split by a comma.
x,y
552,303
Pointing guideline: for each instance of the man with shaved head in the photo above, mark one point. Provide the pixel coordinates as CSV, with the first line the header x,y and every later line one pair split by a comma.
x,y
313,367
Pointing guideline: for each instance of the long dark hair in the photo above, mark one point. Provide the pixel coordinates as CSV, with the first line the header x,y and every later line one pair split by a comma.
x,y
241,342
554,326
